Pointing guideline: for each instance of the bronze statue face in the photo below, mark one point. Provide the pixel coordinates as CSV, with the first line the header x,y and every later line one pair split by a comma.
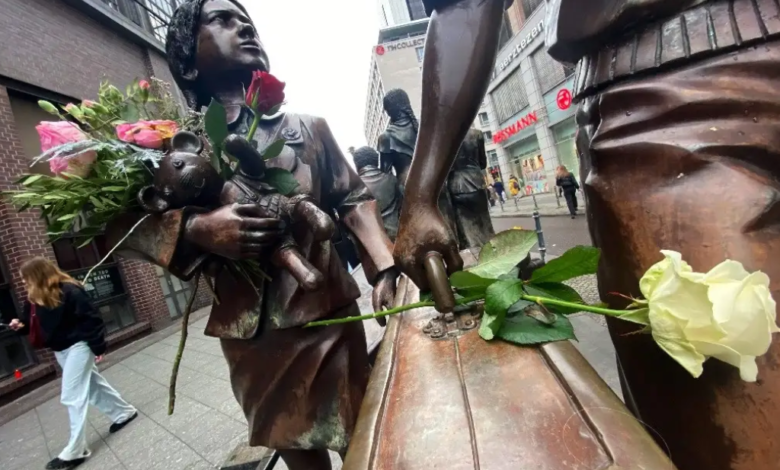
x,y
227,40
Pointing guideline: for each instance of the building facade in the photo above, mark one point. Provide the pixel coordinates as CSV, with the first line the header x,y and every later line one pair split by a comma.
x,y
397,12
528,115
60,51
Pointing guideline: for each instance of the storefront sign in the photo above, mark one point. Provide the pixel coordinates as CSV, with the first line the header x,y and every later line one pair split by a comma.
x,y
104,283
521,124
419,42
563,99
536,31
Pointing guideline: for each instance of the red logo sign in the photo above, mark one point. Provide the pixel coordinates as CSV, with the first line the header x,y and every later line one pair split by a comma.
x,y
564,99
521,124
380,50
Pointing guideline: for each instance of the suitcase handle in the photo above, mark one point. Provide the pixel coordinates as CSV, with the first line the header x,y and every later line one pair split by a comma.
x,y
439,283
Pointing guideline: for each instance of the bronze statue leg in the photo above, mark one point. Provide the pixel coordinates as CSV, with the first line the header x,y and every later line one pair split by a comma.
x,y
306,459
689,160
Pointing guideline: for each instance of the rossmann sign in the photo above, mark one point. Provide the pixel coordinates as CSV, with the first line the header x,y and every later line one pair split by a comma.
x,y
397,46
521,124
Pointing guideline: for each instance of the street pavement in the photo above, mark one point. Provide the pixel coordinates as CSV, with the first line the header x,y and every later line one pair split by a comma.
x,y
208,423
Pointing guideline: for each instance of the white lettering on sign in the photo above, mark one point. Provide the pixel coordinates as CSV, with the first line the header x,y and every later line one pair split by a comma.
x,y
536,31
405,44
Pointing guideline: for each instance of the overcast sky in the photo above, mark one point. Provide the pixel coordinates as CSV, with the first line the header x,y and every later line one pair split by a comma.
x,y
322,50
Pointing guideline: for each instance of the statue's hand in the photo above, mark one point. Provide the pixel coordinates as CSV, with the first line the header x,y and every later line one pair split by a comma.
x,y
235,231
384,292
422,230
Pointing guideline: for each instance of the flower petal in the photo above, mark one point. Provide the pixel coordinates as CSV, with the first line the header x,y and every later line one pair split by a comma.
x,y
748,370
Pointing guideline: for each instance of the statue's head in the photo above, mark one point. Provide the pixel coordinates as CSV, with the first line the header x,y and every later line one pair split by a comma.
x,y
366,156
209,41
397,105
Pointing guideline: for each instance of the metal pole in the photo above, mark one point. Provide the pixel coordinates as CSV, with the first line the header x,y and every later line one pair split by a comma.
x,y
539,232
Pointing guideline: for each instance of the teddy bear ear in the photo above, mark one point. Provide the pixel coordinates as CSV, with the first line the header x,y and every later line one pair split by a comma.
x,y
151,201
186,142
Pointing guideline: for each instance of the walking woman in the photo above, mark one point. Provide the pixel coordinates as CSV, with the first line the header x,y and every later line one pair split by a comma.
x,y
567,185
60,316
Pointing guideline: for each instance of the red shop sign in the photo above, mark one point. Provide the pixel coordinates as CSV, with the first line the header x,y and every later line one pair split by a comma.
x,y
521,124
564,99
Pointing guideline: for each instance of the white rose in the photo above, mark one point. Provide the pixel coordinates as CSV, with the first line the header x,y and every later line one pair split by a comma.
x,y
727,313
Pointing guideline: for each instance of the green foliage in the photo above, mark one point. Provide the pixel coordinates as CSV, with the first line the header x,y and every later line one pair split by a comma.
x,y
576,262
556,291
527,331
498,298
274,150
281,180
216,126
469,284
502,254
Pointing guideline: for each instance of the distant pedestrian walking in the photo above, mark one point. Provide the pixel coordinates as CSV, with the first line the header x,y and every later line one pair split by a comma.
x,y
60,316
514,186
567,186
499,187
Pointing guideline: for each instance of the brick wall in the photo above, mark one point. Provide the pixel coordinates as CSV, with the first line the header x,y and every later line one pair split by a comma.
x,y
50,44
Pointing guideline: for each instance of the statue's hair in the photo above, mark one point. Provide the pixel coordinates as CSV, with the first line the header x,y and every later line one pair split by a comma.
x,y
397,99
365,156
181,47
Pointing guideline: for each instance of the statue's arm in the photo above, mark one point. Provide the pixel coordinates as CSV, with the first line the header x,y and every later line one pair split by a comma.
x,y
345,192
158,239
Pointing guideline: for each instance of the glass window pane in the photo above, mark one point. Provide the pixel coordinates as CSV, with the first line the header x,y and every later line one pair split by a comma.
x,y
7,305
15,351
126,316
176,283
164,285
102,247
88,256
109,319
66,255
172,307
181,299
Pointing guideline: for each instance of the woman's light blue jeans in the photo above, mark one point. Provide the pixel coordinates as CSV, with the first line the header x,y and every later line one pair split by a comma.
x,y
82,386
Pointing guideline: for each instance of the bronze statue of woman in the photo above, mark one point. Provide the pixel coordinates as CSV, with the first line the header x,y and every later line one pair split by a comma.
x,y
300,389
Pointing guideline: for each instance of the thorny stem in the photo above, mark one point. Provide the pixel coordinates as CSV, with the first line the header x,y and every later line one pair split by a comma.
x,y
185,319
385,313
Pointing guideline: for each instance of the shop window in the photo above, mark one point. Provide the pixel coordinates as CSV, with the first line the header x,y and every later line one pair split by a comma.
x,y
15,352
564,135
509,97
483,119
106,287
549,72
175,291
492,158
530,6
420,53
488,136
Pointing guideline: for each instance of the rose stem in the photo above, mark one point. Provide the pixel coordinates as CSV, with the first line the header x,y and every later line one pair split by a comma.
x,y
253,128
582,307
176,362
394,311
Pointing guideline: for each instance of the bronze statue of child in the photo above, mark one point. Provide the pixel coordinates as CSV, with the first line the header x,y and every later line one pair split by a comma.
x,y
300,389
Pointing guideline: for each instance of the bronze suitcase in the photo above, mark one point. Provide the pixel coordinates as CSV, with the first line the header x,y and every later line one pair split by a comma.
x,y
460,402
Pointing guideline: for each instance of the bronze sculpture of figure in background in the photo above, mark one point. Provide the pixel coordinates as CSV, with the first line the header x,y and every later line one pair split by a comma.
x,y
460,52
383,185
396,147
468,190
300,389
678,139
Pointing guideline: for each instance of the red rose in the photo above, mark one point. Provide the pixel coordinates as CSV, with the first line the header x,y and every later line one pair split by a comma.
x,y
265,93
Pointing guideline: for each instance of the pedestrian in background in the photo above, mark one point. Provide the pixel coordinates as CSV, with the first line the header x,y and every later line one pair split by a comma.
x,y
499,187
60,316
514,186
567,186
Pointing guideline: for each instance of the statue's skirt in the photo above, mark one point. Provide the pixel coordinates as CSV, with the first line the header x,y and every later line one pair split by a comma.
x,y
301,388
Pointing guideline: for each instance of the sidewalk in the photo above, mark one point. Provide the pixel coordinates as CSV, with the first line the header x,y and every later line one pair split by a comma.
x,y
208,423
524,206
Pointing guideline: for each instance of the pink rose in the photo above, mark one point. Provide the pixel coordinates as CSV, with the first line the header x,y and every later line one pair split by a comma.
x,y
54,134
58,165
144,85
88,103
70,107
149,134
148,138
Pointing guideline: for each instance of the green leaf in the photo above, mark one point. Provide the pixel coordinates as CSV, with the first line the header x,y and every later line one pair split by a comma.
x,y
215,123
282,180
274,110
499,297
96,202
469,284
556,292
273,150
511,275
114,189
86,242
67,217
578,261
503,253
526,331
31,179
640,316
518,307
130,113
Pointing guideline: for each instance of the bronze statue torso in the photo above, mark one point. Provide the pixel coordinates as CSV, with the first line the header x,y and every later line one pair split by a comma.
x,y
384,187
